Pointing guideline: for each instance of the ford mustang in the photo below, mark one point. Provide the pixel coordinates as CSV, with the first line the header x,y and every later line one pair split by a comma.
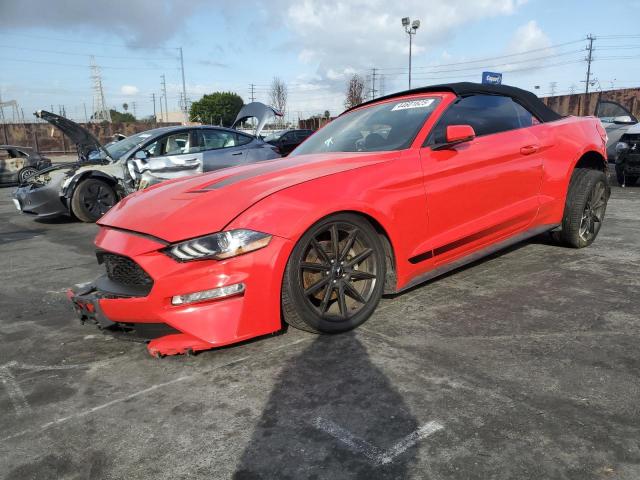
x,y
391,193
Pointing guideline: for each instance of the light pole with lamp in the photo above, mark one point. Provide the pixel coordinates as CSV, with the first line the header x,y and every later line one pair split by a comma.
x,y
410,28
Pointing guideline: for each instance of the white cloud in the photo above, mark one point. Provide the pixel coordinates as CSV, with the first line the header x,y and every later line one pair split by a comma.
x,y
129,90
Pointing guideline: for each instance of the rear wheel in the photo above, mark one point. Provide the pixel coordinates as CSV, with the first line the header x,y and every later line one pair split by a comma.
x,y
25,174
335,276
585,207
91,199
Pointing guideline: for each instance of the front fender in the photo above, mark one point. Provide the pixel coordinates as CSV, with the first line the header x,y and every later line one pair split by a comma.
x,y
72,182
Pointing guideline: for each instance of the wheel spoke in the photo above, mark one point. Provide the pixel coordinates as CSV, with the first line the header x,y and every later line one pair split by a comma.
x,y
363,255
342,302
351,238
317,286
316,267
325,300
353,293
360,275
320,251
334,240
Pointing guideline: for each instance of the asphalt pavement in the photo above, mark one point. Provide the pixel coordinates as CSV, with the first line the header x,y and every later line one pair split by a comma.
x,y
523,365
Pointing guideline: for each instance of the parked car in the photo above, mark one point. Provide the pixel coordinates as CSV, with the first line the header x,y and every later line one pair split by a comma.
x,y
287,140
628,157
17,164
616,120
391,193
103,175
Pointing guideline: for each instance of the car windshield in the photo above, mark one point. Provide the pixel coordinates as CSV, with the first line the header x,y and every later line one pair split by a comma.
x,y
274,136
118,149
381,127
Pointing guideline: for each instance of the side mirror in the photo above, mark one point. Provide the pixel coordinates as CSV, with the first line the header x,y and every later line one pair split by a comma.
x,y
141,155
459,133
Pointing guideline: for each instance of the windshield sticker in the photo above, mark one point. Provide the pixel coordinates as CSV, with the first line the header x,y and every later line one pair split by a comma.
x,y
144,135
413,104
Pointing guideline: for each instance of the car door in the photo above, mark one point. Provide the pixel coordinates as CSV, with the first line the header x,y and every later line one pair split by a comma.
x,y
221,148
174,155
485,189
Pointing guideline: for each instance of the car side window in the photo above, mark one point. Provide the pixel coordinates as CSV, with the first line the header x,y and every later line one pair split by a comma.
x,y
243,139
173,144
287,137
210,139
487,114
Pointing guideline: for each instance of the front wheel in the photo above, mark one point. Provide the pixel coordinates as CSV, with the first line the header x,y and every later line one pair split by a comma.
x,y
335,276
91,199
25,174
585,207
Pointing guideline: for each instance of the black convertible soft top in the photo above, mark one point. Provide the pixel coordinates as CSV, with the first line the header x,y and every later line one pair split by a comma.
x,y
527,99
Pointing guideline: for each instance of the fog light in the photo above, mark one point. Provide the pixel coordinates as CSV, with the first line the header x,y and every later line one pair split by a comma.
x,y
220,292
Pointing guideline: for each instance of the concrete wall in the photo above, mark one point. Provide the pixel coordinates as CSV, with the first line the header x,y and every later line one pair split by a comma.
x,y
580,104
48,139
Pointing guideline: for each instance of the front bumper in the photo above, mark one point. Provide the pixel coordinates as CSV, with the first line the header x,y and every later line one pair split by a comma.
x,y
42,201
202,325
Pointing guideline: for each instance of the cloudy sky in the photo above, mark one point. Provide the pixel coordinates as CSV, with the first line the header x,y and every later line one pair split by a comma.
x,y
313,45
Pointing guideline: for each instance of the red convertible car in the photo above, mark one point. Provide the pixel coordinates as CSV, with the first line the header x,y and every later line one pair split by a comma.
x,y
391,193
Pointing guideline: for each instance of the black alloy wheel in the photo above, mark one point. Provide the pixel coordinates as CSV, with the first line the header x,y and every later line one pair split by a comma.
x,y
91,199
25,174
593,213
335,276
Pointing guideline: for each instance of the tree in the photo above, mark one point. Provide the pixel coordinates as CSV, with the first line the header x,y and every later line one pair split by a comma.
x,y
217,107
278,95
355,89
125,106
327,114
118,117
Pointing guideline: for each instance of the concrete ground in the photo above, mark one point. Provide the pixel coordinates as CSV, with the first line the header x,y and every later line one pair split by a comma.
x,y
524,365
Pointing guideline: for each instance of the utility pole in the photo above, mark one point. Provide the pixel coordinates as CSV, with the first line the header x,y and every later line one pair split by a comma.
x,y
86,118
133,105
590,38
373,83
164,92
184,87
552,87
161,114
153,99
252,88
411,29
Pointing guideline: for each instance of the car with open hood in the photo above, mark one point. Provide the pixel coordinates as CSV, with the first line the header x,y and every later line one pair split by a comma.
x,y
103,175
391,193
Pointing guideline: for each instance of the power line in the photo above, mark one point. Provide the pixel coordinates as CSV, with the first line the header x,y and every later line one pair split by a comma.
x,y
57,52
110,67
84,42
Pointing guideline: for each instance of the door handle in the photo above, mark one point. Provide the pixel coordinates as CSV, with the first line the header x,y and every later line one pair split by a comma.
x,y
529,149
237,153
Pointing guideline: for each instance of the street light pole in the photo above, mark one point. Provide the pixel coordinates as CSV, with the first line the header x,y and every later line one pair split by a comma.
x,y
411,28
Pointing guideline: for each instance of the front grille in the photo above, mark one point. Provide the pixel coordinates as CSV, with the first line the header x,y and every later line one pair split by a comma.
x,y
124,271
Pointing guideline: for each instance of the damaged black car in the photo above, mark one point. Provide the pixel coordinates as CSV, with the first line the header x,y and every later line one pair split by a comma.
x,y
628,157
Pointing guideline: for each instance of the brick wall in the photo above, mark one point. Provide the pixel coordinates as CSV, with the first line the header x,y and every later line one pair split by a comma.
x,y
579,104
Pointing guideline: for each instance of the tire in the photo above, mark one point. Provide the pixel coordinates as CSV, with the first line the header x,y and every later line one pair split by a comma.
x,y
628,180
25,173
585,208
330,290
91,199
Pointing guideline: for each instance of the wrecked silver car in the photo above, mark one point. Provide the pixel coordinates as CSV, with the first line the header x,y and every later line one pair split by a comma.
x,y
103,175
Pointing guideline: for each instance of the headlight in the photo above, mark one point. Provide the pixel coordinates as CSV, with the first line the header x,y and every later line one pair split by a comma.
x,y
218,245
622,147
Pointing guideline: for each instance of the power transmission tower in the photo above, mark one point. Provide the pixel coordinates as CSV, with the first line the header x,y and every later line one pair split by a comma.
x,y
100,111
373,83
185,106
252,88
133,106
153,99
572,89
382,77
552,87
589,59
164,92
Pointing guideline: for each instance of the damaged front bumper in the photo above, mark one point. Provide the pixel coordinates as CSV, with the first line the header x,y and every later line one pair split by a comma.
x,y
43,201
137,294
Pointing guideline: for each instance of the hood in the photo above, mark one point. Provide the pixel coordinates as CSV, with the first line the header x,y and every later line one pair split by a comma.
x,y
634,129
257,110
85,141
181,209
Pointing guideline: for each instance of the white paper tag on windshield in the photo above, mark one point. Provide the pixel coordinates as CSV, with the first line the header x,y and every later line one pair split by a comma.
x,y
144,135
413,104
